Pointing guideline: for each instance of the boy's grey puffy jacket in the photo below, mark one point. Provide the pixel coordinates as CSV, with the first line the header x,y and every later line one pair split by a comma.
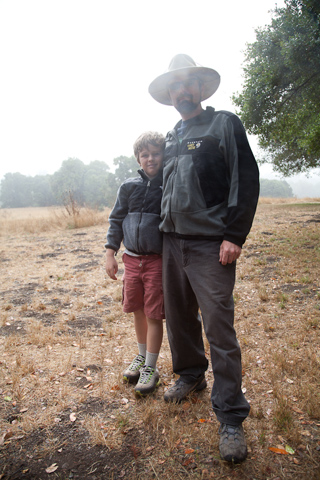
x,y
135,216
210,180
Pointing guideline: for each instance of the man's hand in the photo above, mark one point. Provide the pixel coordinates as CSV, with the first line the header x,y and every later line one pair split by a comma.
x,y
111,264
229,252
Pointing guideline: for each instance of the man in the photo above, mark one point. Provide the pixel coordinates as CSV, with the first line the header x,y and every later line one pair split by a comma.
x,y
210,194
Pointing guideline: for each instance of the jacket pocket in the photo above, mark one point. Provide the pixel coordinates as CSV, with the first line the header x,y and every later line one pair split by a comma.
x,y
213,177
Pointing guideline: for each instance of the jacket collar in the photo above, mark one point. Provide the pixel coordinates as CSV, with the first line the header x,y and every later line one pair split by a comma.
x,y
204,117
156,180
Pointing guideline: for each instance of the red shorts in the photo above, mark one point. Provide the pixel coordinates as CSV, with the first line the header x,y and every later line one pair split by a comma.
x,y
142,285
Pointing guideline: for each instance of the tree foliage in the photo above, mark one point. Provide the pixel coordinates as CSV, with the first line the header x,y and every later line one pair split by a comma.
x,y
275,188
126,167
92,185
280,101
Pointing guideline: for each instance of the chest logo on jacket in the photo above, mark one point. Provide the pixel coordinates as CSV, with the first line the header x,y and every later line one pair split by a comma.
x,y
193,145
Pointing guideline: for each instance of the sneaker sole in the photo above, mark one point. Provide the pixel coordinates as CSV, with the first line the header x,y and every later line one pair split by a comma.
x,y
139,393
198,388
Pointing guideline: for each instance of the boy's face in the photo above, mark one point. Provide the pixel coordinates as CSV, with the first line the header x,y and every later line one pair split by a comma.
x,y
150,159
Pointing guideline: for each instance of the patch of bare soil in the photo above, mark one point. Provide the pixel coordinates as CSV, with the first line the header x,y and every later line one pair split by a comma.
x,y
64,341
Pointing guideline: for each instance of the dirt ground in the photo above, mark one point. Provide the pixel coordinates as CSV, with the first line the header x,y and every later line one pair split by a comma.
x,y
64,341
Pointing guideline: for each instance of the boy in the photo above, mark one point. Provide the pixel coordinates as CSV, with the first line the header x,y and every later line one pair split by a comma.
x,y
135,220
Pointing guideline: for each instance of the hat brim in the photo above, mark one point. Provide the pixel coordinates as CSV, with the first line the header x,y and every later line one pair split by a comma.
x,y
210,81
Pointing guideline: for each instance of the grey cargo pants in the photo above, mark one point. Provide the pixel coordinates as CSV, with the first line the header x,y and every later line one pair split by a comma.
x,y
193,278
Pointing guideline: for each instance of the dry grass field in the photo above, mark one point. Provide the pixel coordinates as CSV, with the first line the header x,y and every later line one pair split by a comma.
x,y
64,341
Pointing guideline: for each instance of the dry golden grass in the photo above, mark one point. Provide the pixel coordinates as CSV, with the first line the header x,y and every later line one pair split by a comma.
x,y
38,220
277,201
64,342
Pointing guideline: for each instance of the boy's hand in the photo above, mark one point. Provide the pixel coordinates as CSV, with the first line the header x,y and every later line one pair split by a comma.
x,y
111,264
229,252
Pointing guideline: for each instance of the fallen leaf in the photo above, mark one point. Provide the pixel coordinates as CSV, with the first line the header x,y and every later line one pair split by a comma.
x,y
7,399
296,461
289,449
189,450
73,417
149,449
187,462
202,420
5,436
297,410
52,468
280,451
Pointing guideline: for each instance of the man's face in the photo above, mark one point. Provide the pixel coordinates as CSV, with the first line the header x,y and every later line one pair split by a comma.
x,y
150,160
185,94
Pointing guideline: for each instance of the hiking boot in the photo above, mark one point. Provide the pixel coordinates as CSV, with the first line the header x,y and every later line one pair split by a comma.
x,y
181,389
232,445
132,373
148,381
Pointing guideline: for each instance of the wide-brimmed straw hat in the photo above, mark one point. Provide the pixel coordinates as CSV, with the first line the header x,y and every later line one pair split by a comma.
x,y
182,64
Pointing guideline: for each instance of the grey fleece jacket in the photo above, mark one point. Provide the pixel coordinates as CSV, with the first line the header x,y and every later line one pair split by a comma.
x,y
135,216
210,180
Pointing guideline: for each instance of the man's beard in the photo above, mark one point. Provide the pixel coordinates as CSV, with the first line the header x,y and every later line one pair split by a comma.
x,y
186,106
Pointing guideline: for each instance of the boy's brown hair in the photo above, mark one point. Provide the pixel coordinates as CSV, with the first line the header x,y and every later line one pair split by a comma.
x,y
154,138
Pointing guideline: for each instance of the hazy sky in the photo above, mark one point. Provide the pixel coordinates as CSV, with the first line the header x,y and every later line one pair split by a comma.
x,y
75,73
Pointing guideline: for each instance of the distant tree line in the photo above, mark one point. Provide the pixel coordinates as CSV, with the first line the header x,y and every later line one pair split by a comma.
x,y
92,185
275,188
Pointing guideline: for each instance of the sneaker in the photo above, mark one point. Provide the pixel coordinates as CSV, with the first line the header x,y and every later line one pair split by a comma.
x,y
132,373
232,445
181,389
148,381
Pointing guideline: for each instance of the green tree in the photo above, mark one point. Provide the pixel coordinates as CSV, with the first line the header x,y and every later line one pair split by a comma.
x,y
16,191
280,101
99,186
275,188
69,179
41,191
126,167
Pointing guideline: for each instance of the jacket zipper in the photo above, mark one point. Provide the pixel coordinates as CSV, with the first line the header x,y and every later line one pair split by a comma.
x,y
173,174
141,212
